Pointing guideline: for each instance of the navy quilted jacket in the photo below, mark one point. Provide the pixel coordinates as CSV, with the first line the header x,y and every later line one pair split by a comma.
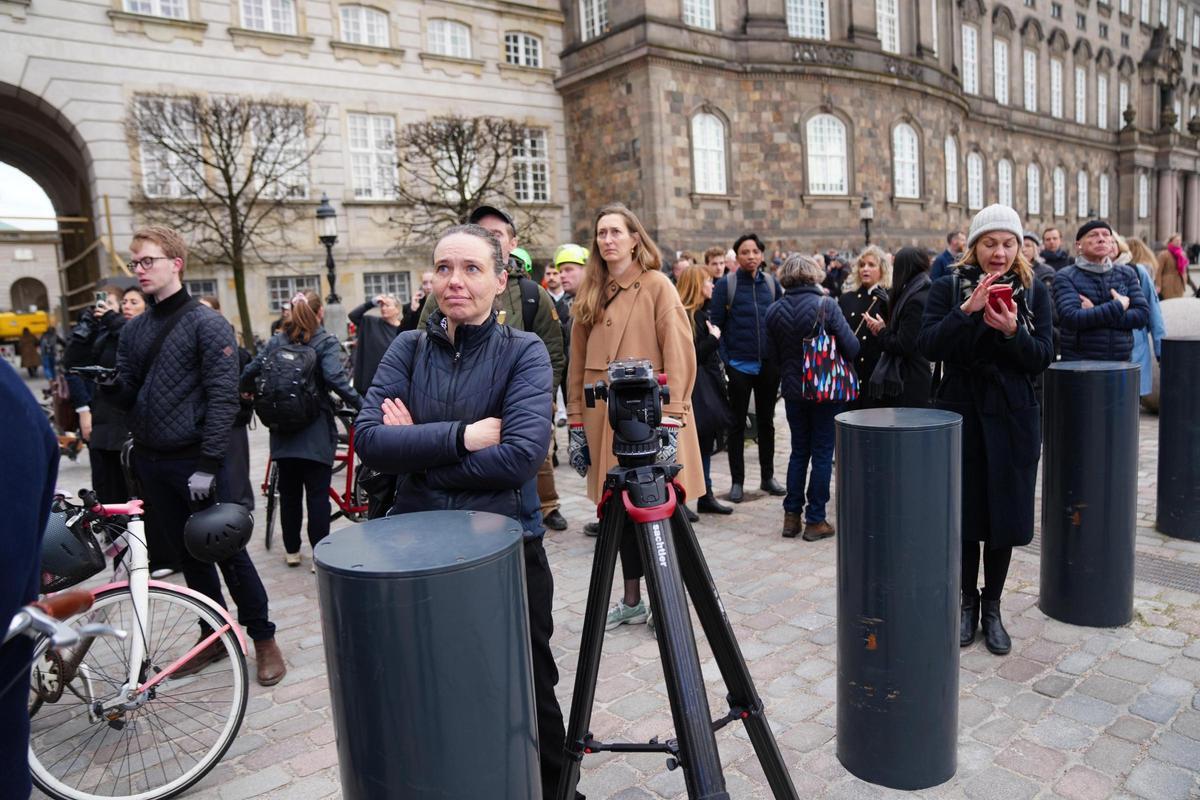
x,y
794,318
490,370
744,323
1103,332
183,405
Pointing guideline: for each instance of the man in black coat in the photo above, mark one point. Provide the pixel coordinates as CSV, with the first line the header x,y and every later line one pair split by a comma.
x,y
177,372
1052,250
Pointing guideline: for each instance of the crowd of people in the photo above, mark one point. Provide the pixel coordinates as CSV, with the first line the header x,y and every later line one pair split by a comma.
x,y
458,389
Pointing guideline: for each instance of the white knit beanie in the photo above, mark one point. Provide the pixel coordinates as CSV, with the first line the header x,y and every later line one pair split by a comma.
x,y
995,218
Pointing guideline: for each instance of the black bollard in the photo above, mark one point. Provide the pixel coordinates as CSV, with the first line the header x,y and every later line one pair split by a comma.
x,y
899,496
1089,492
427,646
1178,507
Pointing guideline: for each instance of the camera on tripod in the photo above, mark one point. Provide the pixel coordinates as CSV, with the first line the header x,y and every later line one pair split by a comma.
x,y
635,394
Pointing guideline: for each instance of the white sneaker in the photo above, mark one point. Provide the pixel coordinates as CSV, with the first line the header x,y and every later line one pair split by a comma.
x,y
293,559
622,614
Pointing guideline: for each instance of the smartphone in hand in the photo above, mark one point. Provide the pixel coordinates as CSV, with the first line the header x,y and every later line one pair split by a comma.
x,y
1000,297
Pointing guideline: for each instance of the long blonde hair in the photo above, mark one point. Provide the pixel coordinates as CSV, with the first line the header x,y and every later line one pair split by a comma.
x,y
853,280
1139,253
589,305
691,289
1020,265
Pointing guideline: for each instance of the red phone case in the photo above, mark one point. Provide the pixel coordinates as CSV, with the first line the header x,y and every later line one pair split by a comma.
x,y
1000,298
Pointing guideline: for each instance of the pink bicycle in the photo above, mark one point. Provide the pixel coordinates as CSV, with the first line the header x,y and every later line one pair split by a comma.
x,y
135,720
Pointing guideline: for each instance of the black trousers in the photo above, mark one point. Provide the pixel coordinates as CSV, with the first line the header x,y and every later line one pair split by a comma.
x,y
765,386
108,479
168,506
300,480
995,568
539,588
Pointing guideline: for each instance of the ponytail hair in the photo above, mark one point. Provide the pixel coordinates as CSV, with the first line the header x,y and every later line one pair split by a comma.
x,y
303,322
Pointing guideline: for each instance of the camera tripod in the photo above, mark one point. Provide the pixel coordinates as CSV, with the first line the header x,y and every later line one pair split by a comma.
x,y
645,495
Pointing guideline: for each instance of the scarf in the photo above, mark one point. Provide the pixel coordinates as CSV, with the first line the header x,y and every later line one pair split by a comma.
x,y
1091,266
969,276
1181,262
887,380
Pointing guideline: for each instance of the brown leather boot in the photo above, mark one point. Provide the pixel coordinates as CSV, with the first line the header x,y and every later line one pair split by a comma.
x,y
816,531
791,524
271,668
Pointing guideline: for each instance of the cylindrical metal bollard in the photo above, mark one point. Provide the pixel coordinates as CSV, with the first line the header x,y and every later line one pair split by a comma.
x,y
899,496
427,647
1089,492
1178,507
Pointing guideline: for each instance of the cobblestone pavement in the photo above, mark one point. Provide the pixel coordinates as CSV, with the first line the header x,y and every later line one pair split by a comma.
x,y
1072,712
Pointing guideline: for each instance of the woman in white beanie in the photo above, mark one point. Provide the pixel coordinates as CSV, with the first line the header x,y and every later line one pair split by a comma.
x,y
992,346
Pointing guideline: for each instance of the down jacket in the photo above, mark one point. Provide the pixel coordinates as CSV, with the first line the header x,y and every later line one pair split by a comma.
x,y
793,319
1103,332
489,370
743,317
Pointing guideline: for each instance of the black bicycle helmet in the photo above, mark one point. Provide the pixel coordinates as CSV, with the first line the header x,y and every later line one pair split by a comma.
x,y
70,554
215,533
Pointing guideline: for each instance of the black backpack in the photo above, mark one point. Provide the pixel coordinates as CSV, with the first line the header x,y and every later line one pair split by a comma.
x,y
287,398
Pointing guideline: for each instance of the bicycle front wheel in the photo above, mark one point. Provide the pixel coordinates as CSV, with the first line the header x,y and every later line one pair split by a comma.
x,y
272,502
85,745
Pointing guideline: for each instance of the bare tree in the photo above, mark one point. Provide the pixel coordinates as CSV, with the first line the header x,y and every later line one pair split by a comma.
x,y
221,169
450,165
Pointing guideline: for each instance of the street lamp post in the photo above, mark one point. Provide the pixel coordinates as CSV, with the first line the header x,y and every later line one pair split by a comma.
x,y
327,234
866,213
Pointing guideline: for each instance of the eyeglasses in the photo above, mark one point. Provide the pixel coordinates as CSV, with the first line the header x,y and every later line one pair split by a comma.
x,y
146,262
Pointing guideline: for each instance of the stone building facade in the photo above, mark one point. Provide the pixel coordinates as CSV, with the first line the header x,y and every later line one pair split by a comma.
x,y
712,117
70,69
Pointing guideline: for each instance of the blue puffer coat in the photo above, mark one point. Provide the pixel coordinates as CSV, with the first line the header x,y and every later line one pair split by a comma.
x,y
743,318
793,319
489,370
1103,332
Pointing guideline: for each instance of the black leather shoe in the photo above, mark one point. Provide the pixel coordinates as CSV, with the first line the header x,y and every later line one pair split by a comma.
x,y
735,493
994,635
772,487
708,504
968,618
555,521
592,529
692,516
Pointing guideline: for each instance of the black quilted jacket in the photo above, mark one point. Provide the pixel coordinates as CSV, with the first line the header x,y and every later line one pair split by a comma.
x,y
183,405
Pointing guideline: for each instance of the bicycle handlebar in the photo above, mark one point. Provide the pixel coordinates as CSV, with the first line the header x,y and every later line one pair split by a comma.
x,y
66,604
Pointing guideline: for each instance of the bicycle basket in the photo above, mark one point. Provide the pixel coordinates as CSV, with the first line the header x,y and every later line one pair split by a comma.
x,y
70,553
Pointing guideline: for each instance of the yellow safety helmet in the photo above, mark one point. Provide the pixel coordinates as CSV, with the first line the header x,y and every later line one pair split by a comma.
x,y
570,254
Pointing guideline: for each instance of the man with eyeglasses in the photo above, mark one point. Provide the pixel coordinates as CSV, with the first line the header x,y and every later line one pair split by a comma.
x,y
177,370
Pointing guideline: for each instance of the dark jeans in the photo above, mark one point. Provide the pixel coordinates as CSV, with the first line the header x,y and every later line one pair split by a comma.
x,y
168,506
539,589
301,479
812,438
765,386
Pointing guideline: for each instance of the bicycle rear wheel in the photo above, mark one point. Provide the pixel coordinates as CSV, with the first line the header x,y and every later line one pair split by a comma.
x,y
272,502
168,737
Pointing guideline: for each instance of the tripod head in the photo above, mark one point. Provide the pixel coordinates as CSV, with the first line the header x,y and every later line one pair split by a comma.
x,y
635,394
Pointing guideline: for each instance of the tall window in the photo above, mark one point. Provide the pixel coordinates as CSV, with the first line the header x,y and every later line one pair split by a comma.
x,y
1060,192
1144,11
1164,12
1143,196
1195,29
1180,22
1029,77
1122,99
808,19
164,172
201,287
372,139
1004,193
593,18
1102,191
887,16
933,19
281,290
1000,70
974,181
700,14
1033,190
272,16
522,50
827,173
1081,195
906,172
285,145
531,168
951,153
708,154
1102,101
1081,95
1124,6
1056,88
393,283
174,9
970,45
362,25
449,38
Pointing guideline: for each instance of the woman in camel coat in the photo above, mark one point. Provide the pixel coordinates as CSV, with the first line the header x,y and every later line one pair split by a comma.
x,y
626,308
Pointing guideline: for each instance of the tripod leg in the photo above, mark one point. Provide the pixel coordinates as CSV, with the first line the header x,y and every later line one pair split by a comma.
x,y
591,643
728,655
681,662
